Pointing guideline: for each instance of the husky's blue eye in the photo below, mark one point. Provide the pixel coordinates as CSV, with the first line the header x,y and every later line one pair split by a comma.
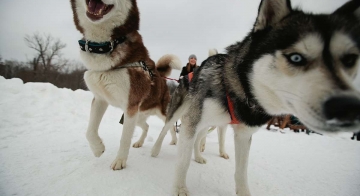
x,y
296,59
349,60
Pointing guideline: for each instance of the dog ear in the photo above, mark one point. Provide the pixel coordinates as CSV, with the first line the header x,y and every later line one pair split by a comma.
x,y
351,7
271,12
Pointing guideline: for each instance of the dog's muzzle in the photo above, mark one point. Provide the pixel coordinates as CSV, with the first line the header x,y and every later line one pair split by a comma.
x,y
343,111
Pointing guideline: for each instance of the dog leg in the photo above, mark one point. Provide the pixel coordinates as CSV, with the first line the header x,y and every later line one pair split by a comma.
x,y
157,146
98,108
202,144
221,136
197,146
145,127
242,140
125,142
203,140
173,136
186,142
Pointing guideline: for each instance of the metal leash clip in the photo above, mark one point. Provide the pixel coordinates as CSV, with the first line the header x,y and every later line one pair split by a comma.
x,y
111,46
87,46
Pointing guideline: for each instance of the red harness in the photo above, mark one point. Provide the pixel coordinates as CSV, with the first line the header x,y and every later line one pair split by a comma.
x,y
234,120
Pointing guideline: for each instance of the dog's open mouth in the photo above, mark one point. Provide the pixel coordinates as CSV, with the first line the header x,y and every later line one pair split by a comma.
x,y
96,9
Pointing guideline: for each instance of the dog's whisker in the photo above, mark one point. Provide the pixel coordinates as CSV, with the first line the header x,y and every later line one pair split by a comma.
x,y
312,112
288,93
306,106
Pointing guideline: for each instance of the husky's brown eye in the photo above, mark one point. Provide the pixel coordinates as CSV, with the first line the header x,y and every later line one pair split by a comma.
x,y
296,59
349,60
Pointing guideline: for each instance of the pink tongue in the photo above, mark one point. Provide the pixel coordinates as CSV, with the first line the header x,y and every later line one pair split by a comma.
x,y
95,6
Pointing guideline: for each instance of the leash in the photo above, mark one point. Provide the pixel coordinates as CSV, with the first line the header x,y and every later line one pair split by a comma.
x,y
171,79
137,64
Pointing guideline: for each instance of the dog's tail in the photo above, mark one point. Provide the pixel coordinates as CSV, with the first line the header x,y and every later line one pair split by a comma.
x,y
166,63
213,52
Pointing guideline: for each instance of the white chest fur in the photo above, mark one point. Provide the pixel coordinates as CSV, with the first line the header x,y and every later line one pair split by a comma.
x,y
112,86
99,62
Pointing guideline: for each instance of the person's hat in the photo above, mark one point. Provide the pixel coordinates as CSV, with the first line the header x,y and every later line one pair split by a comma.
x,y
192,56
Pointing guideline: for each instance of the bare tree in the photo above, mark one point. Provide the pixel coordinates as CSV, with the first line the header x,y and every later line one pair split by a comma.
x,y
73,66
48,52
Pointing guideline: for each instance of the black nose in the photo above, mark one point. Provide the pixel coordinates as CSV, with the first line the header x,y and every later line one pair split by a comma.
x,y
345,109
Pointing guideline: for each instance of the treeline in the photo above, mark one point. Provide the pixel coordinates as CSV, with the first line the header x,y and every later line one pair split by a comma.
x,y
48,65
72,80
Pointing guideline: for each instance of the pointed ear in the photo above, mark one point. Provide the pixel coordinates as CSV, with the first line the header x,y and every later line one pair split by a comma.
x,y
271,12
351,7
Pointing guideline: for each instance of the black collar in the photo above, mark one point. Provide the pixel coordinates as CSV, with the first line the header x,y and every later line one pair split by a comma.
x,y
100,48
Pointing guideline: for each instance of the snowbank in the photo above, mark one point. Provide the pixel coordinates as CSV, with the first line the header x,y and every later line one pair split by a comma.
x,y
43,151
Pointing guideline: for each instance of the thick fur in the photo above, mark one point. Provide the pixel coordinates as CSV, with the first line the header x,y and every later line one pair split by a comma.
x,y
290,63
133,89
179,95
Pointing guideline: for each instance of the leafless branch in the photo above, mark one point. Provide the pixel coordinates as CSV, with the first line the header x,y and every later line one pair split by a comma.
x,y
48,51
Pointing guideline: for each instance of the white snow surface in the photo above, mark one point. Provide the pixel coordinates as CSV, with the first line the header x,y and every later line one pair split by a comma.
x,y
43,151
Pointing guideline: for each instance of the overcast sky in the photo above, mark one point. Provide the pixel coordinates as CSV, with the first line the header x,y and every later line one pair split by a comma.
x,y
180,27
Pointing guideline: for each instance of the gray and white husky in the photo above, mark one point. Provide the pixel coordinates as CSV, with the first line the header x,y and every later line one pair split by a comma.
x,y
290,63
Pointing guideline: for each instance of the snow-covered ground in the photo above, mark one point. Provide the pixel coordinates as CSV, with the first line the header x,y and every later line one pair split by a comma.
x,y
43,151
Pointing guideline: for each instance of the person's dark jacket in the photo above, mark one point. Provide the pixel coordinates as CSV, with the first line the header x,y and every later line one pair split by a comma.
x,y
185,71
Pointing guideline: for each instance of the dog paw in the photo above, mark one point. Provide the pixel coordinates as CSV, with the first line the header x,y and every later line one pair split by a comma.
x,y
118,164
243,192
98,149
200,160
138,144
224,155
155,151
181,192
173,142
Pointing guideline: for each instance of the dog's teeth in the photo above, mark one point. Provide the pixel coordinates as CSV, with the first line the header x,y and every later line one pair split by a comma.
x,y
103,9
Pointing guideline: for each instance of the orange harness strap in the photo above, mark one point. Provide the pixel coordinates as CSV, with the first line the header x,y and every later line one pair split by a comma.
x,y
190,75
234,120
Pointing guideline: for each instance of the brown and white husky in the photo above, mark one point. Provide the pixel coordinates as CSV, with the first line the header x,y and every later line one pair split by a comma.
x,y
120,71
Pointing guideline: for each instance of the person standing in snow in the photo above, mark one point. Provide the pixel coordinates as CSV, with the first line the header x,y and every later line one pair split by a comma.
x,y
190,66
